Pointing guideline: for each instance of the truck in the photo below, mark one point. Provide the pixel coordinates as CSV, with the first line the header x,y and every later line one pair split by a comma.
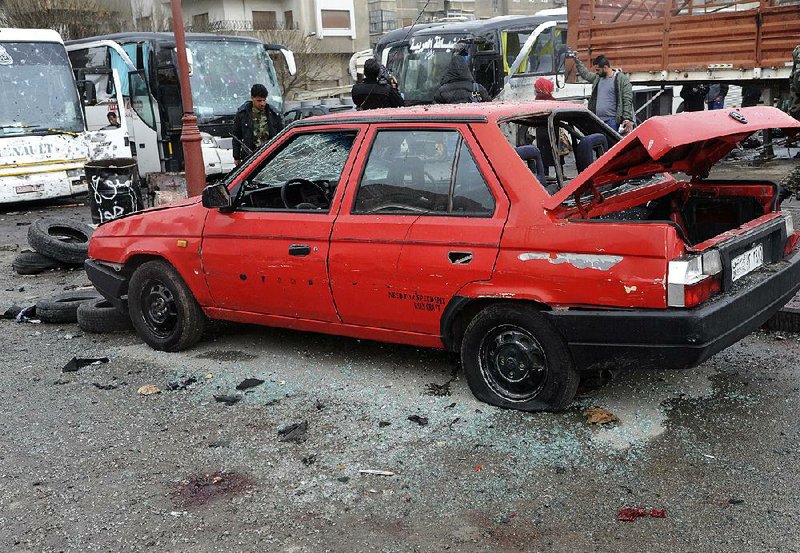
x,y
746,43
222,70
43,147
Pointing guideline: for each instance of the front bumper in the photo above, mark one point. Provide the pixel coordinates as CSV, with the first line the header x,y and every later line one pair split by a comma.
x,y
112,285
677,338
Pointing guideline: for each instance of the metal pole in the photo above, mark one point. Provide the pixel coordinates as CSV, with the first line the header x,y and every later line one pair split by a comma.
x,y
190,134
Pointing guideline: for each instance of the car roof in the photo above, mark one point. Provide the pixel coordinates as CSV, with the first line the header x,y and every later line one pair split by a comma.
x,y
484,112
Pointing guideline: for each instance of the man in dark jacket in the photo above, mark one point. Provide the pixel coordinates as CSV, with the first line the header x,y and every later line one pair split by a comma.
x,y
612,93
694,96
458,86
372,93
255,123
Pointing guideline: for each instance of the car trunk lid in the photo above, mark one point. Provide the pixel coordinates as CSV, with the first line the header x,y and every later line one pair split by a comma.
x,y
689,143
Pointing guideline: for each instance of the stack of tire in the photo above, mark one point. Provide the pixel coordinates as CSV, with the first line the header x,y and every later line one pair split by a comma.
x,y
90,310
57,243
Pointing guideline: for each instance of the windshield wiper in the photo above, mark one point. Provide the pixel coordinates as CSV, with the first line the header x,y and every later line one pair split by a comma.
x,y
50,130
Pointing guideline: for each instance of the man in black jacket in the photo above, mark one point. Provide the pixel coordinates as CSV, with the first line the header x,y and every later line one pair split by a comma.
x,y
458,86
371,93
255,123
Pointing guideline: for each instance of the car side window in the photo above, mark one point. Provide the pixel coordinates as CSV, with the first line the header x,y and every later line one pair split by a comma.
x,y
426,172
302,175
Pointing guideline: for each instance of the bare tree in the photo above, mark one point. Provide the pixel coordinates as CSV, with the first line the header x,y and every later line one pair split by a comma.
x,y
71,18
151,16
314,68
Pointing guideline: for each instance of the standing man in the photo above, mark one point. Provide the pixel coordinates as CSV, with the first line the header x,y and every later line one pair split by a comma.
x,y
375,92
694,96
255,123
794,84
716,96
458,85
612,93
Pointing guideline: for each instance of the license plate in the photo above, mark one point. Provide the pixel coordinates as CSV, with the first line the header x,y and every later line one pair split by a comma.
x,y
747,262
28,188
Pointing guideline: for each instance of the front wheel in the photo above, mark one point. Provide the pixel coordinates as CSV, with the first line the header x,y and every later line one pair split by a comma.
x,y
514,358
162,308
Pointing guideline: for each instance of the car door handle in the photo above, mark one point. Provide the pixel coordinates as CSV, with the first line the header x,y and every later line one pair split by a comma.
x,y
459,258
299,250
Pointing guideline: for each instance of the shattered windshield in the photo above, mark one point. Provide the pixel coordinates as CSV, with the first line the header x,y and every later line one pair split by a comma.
x,y
313,156
39,93
223,72
423,64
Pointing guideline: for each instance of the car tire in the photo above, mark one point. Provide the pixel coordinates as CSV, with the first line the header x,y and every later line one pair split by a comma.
x,y
63,308
100,316
63,239
33,263
163,310
513,358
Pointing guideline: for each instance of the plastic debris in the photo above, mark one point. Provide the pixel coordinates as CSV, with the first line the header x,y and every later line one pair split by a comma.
x,y
248,383
295,433
148,390
598,415
76,363
27,315
376,472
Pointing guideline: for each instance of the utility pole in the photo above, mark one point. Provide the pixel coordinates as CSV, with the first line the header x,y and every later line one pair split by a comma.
x,y
190,134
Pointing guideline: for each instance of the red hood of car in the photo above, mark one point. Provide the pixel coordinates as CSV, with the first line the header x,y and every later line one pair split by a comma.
x,y
688,143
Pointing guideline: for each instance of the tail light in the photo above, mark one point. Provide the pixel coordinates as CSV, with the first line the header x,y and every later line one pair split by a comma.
x,y
693,279
791,235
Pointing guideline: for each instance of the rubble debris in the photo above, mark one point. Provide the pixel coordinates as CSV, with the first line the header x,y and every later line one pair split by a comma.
x,y
438,390
181,383
309,460
248,383
629,514
219,443
376,472
227,399
27,315
76,363
450,406
344,479
202,489
319,405
422,421
148,390
295,433
598,415
109,386
9,247
383,424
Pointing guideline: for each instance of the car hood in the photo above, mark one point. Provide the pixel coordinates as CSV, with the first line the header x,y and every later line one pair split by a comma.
x,y
688,143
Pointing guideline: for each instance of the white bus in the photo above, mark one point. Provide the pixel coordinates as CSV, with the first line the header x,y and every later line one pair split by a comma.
x,y
222,70
43,146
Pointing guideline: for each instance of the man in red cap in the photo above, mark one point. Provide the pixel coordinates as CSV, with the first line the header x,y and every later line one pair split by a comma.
x,y
543,89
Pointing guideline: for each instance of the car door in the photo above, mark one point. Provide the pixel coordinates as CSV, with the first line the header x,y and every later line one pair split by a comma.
x,y
269,255
425,219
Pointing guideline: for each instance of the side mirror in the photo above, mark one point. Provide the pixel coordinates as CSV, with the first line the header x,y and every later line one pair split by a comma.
x,y
216,196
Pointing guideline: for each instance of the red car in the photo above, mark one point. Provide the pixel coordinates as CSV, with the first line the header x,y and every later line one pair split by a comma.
x,y
424,226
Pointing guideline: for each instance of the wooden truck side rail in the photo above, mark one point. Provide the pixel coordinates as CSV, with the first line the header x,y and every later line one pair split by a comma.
x,y
679,40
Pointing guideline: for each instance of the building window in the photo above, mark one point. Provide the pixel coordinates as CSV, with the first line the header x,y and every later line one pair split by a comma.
x,y
381,21
200,22
264,20
335,19
288,19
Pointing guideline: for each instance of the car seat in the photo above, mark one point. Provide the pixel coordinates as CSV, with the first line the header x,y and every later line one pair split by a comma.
x,y
533,157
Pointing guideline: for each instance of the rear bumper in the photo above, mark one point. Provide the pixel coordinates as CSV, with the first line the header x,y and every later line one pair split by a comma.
x,y
677,338
111,284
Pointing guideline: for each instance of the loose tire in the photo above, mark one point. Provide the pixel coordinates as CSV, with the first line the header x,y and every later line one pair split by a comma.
x,y
63,308
514,358
101,316
63,239
162,308
33,263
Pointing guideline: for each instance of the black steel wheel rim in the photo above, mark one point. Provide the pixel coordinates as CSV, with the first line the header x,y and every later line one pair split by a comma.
x,y
513,363
159,309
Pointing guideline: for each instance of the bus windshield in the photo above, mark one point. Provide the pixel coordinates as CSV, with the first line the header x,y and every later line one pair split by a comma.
x,y
39,93
223,72
420,66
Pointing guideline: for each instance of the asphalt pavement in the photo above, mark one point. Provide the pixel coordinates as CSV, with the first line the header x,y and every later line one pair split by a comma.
x,y
708,457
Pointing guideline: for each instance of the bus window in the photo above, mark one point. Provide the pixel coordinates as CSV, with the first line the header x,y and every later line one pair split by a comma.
x,y
140,98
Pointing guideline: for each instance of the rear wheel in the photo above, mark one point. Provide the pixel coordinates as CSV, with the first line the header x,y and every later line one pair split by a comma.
x,y
514,358
162,308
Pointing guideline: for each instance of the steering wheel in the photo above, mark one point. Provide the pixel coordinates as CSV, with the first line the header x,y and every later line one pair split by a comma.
x,y
287,202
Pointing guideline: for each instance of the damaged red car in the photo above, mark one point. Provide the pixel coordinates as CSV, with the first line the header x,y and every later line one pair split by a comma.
x,y
425,226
